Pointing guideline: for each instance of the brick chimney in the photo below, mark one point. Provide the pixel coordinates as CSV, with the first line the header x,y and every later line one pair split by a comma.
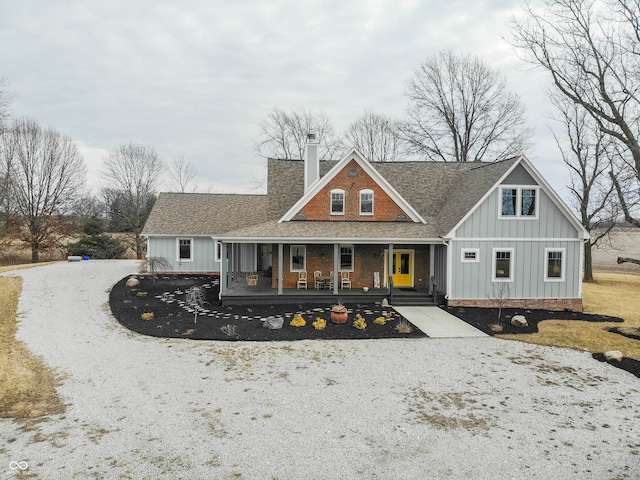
x,y
311,162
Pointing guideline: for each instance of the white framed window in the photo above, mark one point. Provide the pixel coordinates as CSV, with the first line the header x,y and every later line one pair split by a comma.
x,y
529,202
337,202
518,202
346,257
470,255
503,265
554,259
366,202
509,202
185,249
298,258
217,251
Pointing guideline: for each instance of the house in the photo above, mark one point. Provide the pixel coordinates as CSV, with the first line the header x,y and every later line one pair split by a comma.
x,y
479,234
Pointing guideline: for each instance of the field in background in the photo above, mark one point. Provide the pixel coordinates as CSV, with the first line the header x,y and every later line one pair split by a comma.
x,y
622,242
18,254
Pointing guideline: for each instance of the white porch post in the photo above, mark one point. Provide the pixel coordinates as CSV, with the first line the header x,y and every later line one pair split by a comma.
x,y
336,267
223,268
280,267
432,265
389,264
232,268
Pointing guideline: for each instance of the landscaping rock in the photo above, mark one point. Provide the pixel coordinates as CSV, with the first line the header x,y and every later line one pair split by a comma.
x,y
273,323
613,356
133,282
519,321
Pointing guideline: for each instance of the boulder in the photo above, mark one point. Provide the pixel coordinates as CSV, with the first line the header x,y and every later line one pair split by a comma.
x,y
273,323
519,321
133,282
613,356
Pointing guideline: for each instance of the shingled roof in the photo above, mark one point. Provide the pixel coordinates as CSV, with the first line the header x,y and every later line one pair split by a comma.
x,y
204,213
442,193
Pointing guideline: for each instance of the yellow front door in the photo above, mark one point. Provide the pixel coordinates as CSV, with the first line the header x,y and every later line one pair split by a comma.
x,y
402,268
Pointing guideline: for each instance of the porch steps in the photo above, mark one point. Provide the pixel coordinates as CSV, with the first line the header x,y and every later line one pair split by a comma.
x,y
404,300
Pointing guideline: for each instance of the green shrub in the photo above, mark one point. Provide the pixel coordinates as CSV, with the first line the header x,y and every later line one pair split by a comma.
x,y
94,226
97,246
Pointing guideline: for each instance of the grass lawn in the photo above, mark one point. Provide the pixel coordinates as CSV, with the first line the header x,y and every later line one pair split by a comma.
x,y
614,294
7,268
27,386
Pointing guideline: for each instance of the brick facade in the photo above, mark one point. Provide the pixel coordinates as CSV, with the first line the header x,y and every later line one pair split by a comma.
x,y
367,260
352,179
555,304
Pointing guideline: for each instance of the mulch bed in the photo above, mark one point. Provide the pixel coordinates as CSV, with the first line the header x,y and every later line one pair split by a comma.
x,y
164,297
484,318
630,365
172,318
629,332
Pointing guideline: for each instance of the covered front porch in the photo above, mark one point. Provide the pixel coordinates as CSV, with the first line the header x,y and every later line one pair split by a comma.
x,y
269,273
240,292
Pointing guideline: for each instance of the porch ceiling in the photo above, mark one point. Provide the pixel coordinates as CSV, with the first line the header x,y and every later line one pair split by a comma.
x,y
335,231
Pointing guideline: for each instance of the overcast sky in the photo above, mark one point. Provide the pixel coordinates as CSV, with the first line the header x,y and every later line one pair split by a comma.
x,y
196,77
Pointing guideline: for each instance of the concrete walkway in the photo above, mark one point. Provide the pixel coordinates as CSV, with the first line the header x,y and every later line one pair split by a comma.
x,y
437,323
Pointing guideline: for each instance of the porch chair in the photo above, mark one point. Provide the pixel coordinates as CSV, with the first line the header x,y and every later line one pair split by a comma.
x,y
302,279
344,279
317,283
331,280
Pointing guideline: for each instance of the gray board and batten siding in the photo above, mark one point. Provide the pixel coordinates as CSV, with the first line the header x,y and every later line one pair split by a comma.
x,y
529,238
203,253
474,280
440,267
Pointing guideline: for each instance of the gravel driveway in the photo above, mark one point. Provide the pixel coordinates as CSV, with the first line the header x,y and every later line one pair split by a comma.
x,y
141,407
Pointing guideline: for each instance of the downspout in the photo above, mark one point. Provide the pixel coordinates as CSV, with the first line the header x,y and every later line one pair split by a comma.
x,y
581,272
447,243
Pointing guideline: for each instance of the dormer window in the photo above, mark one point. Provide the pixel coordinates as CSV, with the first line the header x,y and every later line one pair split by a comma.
x,y
366,202
337,202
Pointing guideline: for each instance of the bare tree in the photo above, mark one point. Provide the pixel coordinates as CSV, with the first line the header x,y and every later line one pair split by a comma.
x,y
182,174
284,134
5,102
4,170
587,154
46,171
460,110
131,174
592,55
87,205
375,136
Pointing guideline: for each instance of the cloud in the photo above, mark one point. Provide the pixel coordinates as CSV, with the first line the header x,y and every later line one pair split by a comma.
x,y
196,77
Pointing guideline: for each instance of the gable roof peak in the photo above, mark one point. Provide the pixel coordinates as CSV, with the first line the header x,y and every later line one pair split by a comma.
x,y
374,174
